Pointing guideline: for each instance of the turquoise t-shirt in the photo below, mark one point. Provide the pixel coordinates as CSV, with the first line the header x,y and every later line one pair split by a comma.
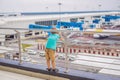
x,y
52,41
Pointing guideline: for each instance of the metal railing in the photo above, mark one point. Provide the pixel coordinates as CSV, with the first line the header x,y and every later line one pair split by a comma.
x,y
66,43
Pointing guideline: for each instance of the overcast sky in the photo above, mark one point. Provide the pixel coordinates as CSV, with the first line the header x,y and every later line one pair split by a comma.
x,y
52,5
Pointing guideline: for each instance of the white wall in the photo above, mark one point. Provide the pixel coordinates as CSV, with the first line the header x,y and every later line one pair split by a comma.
x,y
52,5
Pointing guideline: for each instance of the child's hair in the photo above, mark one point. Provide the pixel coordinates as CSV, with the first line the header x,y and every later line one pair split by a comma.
x,y
55,31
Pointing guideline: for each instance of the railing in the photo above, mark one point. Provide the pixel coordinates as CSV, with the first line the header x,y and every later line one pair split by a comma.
x,y
69,54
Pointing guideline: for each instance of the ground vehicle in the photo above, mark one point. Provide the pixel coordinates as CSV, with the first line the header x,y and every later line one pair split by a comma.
x,y
42,53
61,56
31,52
70,57
100,36
25,58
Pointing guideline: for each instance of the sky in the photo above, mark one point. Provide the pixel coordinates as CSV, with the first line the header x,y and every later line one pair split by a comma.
x,y
52,5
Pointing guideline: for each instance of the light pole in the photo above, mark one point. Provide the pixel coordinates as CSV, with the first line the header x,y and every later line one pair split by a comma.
x,y
47,9
119,7
99,6
59,4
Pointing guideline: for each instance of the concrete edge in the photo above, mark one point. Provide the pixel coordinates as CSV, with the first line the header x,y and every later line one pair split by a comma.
x,y
32,74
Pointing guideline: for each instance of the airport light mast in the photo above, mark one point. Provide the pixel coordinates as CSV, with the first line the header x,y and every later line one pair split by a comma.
x,y
99,7
59,4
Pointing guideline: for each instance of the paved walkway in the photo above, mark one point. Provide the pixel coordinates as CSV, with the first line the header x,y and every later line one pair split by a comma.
x,y
4,75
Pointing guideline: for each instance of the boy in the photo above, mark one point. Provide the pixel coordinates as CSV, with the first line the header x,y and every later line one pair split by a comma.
x,y
51,48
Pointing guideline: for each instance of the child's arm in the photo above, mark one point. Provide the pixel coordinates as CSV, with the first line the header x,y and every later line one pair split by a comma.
x,y
61,37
